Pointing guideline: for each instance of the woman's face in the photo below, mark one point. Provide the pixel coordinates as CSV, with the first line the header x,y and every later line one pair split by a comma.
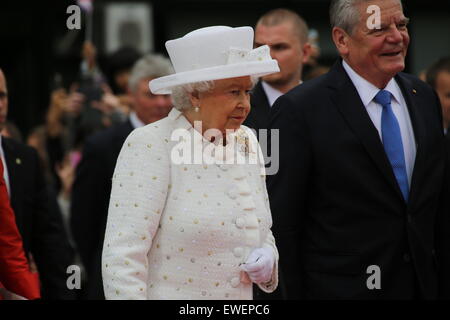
x,y
225,106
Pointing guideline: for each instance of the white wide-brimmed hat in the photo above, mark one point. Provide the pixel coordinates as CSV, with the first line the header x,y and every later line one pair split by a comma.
x,y
214,53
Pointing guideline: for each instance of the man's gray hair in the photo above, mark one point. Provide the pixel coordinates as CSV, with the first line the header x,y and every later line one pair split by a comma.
x,y
149,66
345,14
181,95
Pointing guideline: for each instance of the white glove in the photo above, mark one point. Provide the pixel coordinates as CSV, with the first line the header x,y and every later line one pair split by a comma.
x,y
259,265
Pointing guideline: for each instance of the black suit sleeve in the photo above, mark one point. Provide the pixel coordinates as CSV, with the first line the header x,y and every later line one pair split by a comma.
x,y
288,188
49,245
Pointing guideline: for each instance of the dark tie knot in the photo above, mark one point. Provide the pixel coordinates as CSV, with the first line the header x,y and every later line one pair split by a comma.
x,y
383,97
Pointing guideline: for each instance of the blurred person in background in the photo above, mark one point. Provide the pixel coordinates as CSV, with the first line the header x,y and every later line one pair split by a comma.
x,y
119,67
54,138
438,77
312,69
92,187
58,157
286,33
37,216
101,108
10,130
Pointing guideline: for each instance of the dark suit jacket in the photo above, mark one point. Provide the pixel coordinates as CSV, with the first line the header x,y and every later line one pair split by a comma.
x,y
90,200
38,219
336,204
258,116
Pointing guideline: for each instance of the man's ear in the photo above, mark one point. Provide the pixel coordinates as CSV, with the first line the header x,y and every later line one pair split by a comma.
x,y
340,39
307,50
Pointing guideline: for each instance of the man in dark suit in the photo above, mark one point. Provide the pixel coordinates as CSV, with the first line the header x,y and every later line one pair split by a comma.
x,y
358,200
286,33
92,186
37,215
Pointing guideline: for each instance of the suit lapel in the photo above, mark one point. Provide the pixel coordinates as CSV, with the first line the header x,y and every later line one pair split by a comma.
x,y
419,128
348,102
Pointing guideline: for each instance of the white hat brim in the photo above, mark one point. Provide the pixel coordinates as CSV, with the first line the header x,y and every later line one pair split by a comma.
x,y
163,85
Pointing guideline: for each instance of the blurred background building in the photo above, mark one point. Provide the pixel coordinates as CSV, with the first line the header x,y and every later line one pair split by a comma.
x,y
39,54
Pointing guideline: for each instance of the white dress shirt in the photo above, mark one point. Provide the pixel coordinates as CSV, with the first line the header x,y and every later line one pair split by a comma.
x,y
367,93
5,168
272,93
135,121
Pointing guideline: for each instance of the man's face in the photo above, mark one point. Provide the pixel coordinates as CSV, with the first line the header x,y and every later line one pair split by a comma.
x,y
443,91
149,107
3,101
378,54
285,47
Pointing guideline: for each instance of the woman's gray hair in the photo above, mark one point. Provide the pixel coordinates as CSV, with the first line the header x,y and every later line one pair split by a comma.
x,y
345,14
181,95
149,66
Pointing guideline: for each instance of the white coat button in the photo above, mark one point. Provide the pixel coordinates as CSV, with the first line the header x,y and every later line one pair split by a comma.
x,y
240,223
232,194
235,282
238,252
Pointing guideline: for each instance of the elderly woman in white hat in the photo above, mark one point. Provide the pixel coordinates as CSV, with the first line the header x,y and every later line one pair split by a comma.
x,y
195,227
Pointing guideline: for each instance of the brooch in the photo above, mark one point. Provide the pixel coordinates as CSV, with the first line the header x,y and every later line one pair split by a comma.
x,y
243,142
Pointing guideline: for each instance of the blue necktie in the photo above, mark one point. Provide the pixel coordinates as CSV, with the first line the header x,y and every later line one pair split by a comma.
x,y
392,141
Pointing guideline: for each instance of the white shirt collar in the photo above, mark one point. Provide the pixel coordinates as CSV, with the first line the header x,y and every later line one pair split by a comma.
x,y
366,90
135,121
5,167
1,148
271,93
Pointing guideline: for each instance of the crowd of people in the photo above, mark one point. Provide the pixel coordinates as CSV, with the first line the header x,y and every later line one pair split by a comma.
x,y
363,170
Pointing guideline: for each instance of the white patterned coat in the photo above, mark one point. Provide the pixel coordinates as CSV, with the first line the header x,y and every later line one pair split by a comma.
x,y
181,231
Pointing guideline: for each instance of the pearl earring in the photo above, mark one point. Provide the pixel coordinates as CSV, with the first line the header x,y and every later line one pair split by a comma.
x,y
196,108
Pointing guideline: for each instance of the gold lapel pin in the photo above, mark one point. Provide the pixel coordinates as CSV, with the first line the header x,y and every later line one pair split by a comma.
x,y
414,91
18,161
